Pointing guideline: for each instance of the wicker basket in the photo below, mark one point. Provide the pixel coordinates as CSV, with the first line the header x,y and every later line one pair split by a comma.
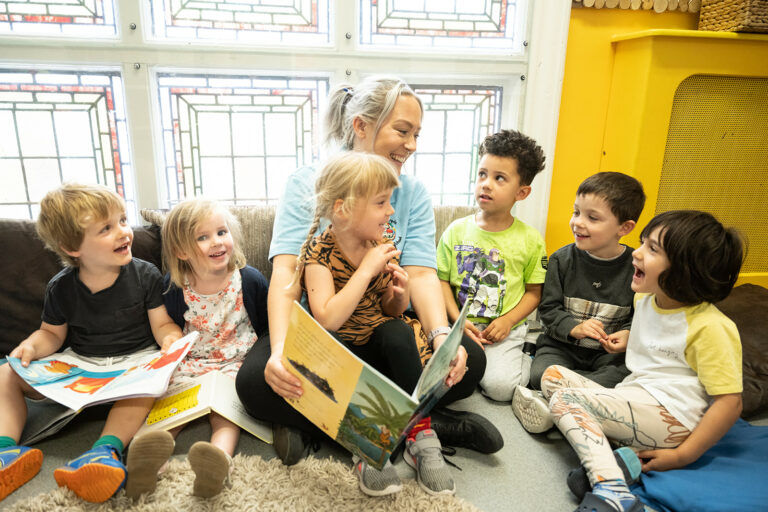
x,y
734,15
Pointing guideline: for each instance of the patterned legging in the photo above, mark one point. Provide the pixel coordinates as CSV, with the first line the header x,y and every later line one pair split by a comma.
x,y
589,414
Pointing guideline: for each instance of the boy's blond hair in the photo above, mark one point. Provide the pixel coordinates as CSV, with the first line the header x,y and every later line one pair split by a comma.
x,y
178,234
67,211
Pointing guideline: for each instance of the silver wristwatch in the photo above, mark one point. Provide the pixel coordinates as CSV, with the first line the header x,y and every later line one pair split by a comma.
x,y
437,331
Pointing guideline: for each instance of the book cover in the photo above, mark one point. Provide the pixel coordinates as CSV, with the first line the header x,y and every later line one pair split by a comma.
x,y
76,383
351,401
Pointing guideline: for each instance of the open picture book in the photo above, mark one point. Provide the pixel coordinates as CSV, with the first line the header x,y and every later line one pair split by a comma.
x,y
71,383
76,383
211,392
351,401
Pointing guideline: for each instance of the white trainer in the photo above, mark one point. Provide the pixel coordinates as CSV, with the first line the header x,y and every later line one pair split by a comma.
x,y
532,410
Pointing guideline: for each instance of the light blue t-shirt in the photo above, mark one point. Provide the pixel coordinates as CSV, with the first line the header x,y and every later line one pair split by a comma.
x,y
411,227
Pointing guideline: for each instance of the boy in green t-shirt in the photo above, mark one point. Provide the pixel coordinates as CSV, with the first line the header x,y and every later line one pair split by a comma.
x,y
497,262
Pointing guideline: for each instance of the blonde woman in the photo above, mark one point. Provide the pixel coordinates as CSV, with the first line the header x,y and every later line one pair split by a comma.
x,y
381,115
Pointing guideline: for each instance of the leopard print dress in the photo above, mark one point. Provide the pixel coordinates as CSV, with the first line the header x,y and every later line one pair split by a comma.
x,y
368,314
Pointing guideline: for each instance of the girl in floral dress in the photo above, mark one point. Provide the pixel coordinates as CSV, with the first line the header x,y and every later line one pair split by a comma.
x,y
209,290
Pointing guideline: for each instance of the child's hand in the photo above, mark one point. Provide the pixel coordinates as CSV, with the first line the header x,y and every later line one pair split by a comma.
x,y
616,342
589,329
661,460
399,281
26,352
496,331
473,333
376,260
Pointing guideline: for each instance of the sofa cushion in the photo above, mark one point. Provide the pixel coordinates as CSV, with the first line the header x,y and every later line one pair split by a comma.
x,y
28,266
747,306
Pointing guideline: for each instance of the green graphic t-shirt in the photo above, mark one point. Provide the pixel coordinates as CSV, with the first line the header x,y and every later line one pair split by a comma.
x,y
490,269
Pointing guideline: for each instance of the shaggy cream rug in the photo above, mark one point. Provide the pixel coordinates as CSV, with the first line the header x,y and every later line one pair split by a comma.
x,y
256,484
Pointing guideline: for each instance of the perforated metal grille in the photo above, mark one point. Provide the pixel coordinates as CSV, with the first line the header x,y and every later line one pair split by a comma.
x,y
716,157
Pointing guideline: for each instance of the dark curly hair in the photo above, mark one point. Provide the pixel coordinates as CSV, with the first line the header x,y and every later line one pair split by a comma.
x,y
511,144
623,193
704,256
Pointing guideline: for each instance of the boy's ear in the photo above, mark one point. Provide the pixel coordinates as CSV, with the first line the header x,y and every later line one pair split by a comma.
x,y
74,254
626,227
524,191
182,255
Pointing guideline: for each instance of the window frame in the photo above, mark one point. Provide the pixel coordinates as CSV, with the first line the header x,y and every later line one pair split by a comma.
x,y
532,106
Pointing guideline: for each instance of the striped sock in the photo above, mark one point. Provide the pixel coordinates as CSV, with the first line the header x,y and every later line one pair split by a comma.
x,y
6,441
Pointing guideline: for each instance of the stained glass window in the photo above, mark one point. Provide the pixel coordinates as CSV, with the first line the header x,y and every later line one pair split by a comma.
x,y
71,18
293,22
456,120
469,25
237,138
58,126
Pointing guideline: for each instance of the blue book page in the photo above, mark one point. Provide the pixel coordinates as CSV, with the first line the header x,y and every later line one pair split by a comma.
x,y
432,380
45,371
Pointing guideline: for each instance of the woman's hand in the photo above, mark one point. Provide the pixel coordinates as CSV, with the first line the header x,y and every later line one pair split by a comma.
x,y
458,364
281,380
377,259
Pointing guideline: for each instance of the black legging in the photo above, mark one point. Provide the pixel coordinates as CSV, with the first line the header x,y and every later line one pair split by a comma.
x,y
391,350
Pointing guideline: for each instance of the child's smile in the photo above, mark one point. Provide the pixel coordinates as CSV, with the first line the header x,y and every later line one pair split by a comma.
x,y
214,246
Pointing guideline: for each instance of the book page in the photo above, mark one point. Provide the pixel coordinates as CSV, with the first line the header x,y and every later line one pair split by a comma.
x,y
76,383
432,380
349,400
224,401
183,402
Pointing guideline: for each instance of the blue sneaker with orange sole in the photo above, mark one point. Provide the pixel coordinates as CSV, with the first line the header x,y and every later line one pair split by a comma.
x,y
95,476
18,465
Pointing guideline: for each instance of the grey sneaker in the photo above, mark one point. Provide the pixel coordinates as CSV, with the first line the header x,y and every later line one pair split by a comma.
x,y
532,410
374,482
425,456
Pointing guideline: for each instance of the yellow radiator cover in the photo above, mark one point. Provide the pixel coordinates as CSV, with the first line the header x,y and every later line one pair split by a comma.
x,y
716,156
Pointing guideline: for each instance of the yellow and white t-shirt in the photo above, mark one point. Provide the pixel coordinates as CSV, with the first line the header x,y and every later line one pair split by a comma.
x,y
683,356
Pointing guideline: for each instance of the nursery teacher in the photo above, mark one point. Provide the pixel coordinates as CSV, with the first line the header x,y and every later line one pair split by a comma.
x,y
381,115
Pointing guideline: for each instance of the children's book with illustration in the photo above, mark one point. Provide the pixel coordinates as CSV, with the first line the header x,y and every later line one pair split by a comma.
x,y
211,392
75,383
351,401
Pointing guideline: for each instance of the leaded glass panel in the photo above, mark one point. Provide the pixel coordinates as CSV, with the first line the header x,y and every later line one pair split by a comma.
x,y
459,25
272,22
50,18
456,120
58,126
237,138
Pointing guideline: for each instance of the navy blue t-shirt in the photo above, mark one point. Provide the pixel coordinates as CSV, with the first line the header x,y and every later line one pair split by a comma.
x,y
111,322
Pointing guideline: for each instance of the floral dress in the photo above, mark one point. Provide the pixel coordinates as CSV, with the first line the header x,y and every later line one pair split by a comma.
x,y
226,333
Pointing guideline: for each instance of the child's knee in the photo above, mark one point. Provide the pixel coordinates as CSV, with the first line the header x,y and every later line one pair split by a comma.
x,y
498,389
551,380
